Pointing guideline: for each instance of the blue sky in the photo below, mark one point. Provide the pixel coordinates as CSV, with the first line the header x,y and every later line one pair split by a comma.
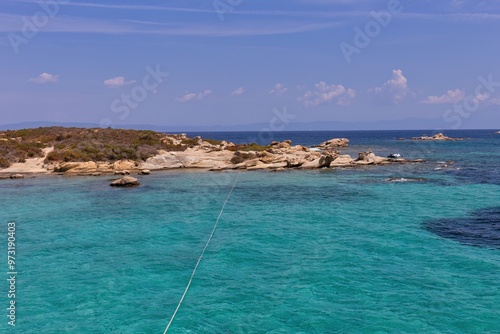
x,y
235,61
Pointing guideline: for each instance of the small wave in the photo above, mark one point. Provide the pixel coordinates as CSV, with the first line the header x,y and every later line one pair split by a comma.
x,y
404,179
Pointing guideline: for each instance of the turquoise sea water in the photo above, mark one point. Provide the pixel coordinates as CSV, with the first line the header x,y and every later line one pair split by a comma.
x,y
324,251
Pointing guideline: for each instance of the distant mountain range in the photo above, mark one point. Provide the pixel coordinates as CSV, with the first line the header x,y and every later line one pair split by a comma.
x,y
401,124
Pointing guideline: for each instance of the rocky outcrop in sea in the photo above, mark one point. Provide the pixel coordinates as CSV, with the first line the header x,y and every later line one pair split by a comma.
x,y
198,153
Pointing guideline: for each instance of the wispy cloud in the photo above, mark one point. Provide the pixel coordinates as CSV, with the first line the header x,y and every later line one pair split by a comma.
x,y
238,91
117,82
450,17
64,24
444,14
278,89
325,93
194,96
44,78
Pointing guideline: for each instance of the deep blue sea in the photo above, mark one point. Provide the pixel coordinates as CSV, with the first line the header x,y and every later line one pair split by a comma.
x,y
411,248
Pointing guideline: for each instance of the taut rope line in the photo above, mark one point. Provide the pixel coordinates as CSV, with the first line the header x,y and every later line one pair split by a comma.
x,y
201,256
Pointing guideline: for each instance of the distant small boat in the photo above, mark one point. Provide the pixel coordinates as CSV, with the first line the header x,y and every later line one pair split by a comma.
x,y
394,155
498,132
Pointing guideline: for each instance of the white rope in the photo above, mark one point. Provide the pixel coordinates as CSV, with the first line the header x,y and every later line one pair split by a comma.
x,y
201,256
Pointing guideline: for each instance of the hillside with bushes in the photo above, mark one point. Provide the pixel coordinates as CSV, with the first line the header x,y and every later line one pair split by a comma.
x,y
77,144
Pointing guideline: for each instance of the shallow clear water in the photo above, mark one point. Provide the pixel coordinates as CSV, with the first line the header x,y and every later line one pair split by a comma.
x,y
324,251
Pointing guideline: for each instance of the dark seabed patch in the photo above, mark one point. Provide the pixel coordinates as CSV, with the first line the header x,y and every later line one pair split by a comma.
x,y
479,175
481,228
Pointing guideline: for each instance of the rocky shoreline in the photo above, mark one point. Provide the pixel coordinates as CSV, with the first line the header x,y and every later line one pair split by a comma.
x,y
210,155
437,136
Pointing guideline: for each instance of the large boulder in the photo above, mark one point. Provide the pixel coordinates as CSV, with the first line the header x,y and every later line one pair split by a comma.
x,y
335,142
249,163
124,165
126,181
292,160
440,136
323,161
365,158
164,160
284,144
311,164
76,167
368,158
342,161
267,166
269,158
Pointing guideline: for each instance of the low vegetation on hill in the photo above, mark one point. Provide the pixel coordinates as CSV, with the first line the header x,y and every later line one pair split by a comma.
x,y
76,144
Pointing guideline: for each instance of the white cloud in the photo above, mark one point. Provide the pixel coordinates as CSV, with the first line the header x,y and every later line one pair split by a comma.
x,y
117,82
44,78
238,91
484,97
393,91
495,101
324,93
458,95
278,89
451,96
194,96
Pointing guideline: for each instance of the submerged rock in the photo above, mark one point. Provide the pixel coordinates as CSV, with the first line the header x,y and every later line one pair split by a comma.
x,y
481,228
126,181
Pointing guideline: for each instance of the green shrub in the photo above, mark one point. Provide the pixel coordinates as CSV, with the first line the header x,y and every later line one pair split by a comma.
x,y
240,157
76,144
189,142
213,141
4,163
248,147
172,147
